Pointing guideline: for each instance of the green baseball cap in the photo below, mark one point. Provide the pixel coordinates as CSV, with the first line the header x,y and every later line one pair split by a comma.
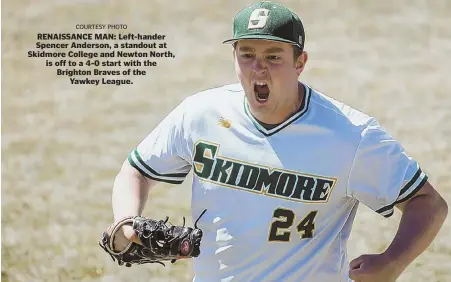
x,y
270,21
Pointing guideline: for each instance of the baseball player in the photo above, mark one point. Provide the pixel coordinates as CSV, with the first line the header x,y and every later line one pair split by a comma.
x,y
281,169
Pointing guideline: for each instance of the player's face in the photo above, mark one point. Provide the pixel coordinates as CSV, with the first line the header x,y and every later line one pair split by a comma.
x,y
269,75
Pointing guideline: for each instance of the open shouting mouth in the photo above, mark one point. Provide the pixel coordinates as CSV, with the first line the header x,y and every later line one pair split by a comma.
x,y
261,91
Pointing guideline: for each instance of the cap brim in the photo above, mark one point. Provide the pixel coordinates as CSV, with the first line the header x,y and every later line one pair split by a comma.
x,y
260,37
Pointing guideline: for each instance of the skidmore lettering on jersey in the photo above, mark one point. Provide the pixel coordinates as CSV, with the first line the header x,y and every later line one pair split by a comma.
x,y
210,166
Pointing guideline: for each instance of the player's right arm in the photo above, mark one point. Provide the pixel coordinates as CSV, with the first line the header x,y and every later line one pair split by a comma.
x,y
130,194
162,156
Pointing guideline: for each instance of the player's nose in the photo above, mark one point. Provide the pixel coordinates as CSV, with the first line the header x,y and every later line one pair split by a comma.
x,y
258,67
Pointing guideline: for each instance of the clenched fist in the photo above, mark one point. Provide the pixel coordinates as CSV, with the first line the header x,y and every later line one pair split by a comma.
x,y
373,268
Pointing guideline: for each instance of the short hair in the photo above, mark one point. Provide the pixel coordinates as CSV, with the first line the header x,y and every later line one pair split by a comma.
x,y
296,52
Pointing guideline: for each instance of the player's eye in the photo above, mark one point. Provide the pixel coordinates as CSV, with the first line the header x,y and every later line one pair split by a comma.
x,y
247,55
273,57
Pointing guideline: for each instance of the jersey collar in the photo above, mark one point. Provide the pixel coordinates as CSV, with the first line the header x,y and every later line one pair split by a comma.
x,y
268,132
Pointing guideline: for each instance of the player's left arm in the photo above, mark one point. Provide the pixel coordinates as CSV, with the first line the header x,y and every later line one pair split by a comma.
x,y
422,217
384,176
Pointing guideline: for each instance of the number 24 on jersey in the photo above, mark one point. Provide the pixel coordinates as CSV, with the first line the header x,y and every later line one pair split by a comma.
x,y
284,219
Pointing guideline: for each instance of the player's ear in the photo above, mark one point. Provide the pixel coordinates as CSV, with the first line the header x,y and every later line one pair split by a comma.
x,y
300,62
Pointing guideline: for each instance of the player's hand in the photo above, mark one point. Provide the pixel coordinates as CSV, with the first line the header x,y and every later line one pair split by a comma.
x,y
124,236
369,268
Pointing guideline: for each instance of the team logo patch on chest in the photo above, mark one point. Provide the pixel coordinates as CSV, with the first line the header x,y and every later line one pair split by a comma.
x,y
211,167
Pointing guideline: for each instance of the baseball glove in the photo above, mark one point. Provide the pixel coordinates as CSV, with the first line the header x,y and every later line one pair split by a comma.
x,y
159,241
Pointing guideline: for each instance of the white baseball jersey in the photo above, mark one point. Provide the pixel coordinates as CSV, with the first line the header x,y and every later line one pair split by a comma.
x,y
280,202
